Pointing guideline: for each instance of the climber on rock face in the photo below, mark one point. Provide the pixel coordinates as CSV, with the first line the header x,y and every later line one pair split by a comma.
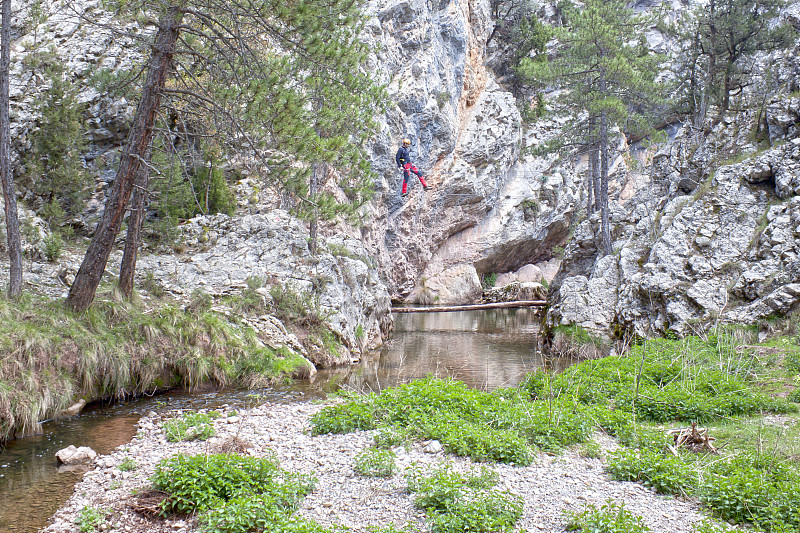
x,y
403,159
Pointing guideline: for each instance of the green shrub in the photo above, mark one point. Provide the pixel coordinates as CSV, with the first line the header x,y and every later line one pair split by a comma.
x,y
457,502
794,396
258,513
389,437
609,518
90,519
52,247
664,474
591,450
375,462
791,361
749,491
438,488
663,380
479,512
201,482
243,514
498,426
55,171
344,418
189,426
127,465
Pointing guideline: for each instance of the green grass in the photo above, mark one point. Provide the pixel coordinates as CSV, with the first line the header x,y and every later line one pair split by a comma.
x,y
52,357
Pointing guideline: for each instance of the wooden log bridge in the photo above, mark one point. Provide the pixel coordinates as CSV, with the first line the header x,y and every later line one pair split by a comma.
x,y
473,307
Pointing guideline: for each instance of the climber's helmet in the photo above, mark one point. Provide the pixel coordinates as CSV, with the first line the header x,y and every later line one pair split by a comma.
x,y
406,142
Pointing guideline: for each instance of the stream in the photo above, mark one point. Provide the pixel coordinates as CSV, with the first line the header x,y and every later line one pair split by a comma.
x,y
485,349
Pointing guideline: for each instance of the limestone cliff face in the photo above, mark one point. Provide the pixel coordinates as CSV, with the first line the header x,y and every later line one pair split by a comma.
x,y
491,209
702,243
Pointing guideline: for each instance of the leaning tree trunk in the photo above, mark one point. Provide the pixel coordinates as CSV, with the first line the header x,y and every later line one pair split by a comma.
x,y
12,222
82,292
317,177
594,166
605,228
135,219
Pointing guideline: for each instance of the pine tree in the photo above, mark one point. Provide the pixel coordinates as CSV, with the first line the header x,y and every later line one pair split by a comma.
x,y
719,39
55,170
9,193
608,77
280,81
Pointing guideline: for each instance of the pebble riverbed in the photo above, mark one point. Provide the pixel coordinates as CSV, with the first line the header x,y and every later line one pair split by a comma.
x,y
550,486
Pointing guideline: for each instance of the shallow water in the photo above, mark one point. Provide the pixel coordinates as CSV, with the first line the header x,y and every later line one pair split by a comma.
x,y
485,349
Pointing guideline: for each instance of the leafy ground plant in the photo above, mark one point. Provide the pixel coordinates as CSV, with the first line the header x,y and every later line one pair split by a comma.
x,y
90,519
127,465
375,462
458,502
190,426
611,517
202,482
497,427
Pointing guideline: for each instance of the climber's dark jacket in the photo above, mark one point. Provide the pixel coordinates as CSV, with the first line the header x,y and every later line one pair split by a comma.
x,y
402,156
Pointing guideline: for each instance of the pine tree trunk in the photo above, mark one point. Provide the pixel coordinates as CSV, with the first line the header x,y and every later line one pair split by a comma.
x,y
12,220
605,228
594,164
313,186
83,290
711,71
138,209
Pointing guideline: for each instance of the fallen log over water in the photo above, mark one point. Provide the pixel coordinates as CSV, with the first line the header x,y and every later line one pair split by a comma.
x,y
473,307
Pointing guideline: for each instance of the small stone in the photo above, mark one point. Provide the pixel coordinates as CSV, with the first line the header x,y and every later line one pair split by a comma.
x,y
702,241
433,446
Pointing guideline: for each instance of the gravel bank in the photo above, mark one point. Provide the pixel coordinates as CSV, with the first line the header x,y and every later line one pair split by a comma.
x,y
549,486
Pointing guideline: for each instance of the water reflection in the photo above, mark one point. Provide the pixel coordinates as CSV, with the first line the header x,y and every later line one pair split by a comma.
x,y
484,349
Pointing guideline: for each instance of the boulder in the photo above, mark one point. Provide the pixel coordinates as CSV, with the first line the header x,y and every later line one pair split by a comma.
x,y
516,291
76,456
529,274
505,278
72,410
454,286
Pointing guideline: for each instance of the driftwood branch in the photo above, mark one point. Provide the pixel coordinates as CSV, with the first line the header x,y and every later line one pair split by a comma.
x,y
692,438
474,307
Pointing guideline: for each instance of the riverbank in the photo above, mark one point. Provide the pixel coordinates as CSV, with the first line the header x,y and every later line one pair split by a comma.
x,y
549,486
597,434
54,359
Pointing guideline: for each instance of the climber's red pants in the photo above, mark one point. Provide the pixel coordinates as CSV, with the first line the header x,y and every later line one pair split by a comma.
x,y
408,168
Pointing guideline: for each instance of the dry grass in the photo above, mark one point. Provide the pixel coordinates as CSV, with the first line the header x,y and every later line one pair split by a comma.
x,y
50,358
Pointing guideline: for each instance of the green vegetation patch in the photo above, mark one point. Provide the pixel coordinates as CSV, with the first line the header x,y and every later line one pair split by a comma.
x,y
464,502
375,462
202,482
743,488
665,380
716,381
190,426
90,519
52,356
500,426
611,517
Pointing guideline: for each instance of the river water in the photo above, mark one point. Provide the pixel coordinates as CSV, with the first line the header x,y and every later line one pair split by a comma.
x,y
485,349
